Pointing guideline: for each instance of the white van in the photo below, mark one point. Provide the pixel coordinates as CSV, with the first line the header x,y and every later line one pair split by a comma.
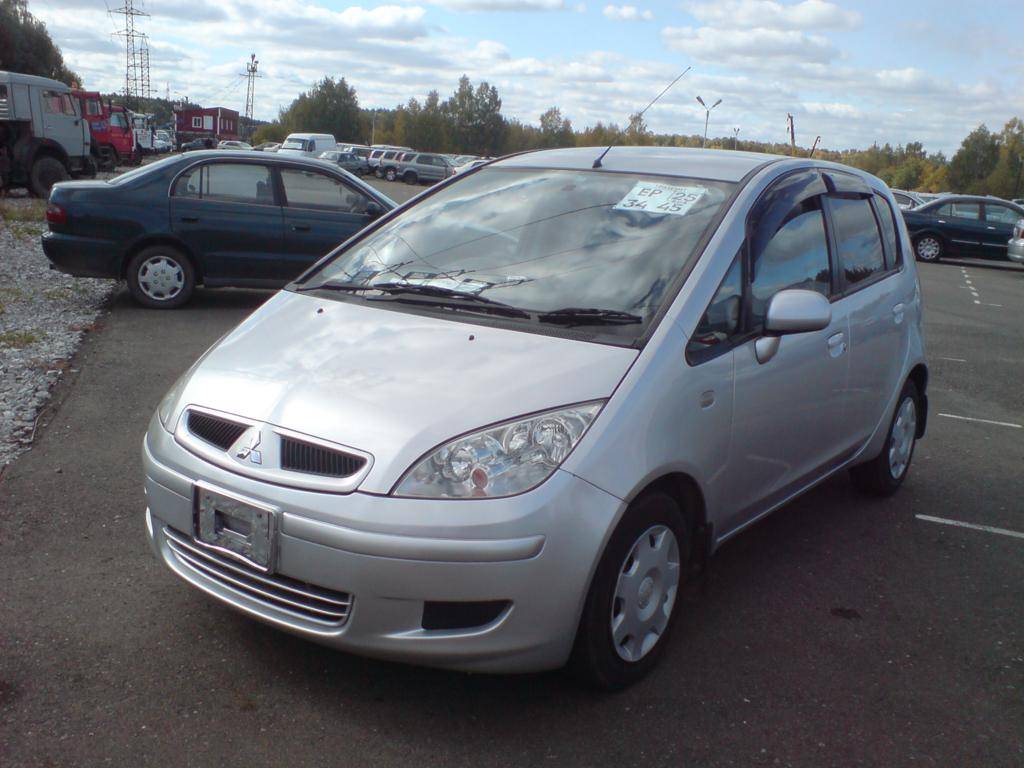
x,y
307,144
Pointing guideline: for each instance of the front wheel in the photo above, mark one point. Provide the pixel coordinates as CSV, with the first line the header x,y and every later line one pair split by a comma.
x,y
633,600
884,474
928,248
161,277
46,171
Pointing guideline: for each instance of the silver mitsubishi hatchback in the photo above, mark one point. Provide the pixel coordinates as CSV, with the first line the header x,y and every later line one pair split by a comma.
x,y
499,428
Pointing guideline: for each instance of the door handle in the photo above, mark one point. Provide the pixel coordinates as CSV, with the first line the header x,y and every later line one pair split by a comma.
x,y
942,221
190,219
300,227
837,344
897,313
989,227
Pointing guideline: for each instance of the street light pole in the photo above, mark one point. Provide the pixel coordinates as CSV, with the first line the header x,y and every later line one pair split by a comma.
x,y
707,116
735,137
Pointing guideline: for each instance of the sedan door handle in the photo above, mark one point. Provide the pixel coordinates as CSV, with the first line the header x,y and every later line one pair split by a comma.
x,y
836,344
300,227
190,219
989,227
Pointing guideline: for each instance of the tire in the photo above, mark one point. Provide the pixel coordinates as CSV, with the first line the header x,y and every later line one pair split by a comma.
x,y
928,248
377,173
411,178
884,474
606,654
161,277
389,174
46,171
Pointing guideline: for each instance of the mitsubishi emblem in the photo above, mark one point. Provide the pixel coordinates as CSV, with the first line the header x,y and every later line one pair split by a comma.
x,y
249,451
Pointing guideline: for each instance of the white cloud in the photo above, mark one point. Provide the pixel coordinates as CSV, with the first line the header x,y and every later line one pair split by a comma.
x,y
769,14
515,6
627,13
720,47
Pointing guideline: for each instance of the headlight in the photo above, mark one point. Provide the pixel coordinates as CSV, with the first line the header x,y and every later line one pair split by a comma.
x,y
500,461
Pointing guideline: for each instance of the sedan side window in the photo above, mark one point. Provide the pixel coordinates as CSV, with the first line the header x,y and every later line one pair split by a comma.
x,y
1000,214
721,320
858,239
228,182
795,257
309,189
960,210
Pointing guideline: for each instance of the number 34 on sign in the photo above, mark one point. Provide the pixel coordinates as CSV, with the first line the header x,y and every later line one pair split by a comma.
x,y
649,197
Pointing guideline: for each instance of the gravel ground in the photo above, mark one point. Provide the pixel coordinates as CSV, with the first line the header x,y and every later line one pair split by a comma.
x,y
43,316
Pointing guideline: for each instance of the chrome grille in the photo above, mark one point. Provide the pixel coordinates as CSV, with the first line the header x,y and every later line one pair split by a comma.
x,y
293,598
299,456
215,430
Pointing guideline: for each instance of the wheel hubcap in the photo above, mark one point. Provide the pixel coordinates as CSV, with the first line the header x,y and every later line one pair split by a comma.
x,y
161,278
928,248
645,593
901,444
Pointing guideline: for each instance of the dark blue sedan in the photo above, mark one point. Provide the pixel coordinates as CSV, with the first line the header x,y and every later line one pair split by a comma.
x,y
213,218
962,225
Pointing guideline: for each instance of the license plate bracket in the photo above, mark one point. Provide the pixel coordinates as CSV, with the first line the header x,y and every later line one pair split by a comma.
x,y
236,527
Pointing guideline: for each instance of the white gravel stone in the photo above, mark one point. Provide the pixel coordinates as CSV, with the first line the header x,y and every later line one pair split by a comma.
x,y
43,314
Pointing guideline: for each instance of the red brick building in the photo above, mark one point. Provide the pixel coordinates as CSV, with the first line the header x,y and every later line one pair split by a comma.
x,y
214,123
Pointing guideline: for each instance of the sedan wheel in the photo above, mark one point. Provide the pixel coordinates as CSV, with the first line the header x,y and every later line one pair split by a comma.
x,y
928,248
161,277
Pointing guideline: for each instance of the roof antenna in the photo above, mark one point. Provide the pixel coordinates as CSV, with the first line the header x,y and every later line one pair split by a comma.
x,y
597,163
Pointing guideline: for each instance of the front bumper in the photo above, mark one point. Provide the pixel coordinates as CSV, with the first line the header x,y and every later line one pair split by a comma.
x,y
82,256
535,552
1015,250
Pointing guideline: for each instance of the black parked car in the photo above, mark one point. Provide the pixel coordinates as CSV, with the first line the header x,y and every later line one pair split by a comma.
x,y
962,225
214,218
350,161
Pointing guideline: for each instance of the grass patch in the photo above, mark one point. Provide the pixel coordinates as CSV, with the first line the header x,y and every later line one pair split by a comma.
x,y
28,212
25,231
20,339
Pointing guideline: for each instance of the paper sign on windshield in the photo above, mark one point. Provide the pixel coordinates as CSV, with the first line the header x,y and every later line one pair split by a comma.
x,y
649,197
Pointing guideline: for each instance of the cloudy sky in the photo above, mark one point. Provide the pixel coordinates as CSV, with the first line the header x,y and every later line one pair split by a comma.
x,y
852,72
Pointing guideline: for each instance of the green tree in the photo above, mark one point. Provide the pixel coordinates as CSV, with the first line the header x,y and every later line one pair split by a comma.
x,y
26,47
1007,178
269,132
556,131
974,161
329,107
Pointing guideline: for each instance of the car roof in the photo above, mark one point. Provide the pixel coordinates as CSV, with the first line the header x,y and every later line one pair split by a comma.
x,y
724,165
45,82
236,154
969,199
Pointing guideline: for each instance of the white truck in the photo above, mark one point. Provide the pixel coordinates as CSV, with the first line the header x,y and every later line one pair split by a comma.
x,y
307,144
43,137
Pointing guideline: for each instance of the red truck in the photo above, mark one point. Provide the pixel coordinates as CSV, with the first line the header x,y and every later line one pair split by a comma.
x,y
113,141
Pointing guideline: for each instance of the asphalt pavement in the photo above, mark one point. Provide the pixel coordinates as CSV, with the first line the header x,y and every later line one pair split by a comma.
x,y
840,631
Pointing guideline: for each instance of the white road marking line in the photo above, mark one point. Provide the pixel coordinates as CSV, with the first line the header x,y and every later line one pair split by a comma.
x,y
982,421
972,526
977,302
954,359
993,305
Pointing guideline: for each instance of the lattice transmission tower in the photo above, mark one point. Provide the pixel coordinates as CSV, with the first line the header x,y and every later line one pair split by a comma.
x,y
136,53
250,74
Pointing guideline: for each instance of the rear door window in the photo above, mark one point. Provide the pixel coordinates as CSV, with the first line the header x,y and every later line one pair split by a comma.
x,y
887,218
857,238
961,210
228,182
1001,214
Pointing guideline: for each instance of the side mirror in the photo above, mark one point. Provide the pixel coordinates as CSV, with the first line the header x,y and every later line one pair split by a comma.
x,y
791,311
374,210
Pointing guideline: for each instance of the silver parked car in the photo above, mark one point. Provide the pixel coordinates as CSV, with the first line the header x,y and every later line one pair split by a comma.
x,y
500,427
1015,248
419,167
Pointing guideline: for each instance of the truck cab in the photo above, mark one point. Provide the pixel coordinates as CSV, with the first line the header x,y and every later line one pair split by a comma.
x,y
113,141
43,137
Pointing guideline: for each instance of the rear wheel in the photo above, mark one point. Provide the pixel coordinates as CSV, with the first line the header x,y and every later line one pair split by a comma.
x,y
633,600
410,178
928,248
161,277
884,474
46,171
389,174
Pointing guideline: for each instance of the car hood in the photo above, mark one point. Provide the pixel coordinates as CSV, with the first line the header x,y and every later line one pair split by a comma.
x,y
390,383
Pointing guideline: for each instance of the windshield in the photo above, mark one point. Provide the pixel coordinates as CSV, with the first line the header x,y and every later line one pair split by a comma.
x,y
144,170
573,248
300,144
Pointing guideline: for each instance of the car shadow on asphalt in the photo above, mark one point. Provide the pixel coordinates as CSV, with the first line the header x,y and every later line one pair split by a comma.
x,y
204,299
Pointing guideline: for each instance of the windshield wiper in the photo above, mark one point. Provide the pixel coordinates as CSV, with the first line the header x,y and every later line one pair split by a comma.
x,y
348,287
588,316
442,296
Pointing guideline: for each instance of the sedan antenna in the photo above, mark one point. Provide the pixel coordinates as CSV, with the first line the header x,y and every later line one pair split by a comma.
x,y
597,163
